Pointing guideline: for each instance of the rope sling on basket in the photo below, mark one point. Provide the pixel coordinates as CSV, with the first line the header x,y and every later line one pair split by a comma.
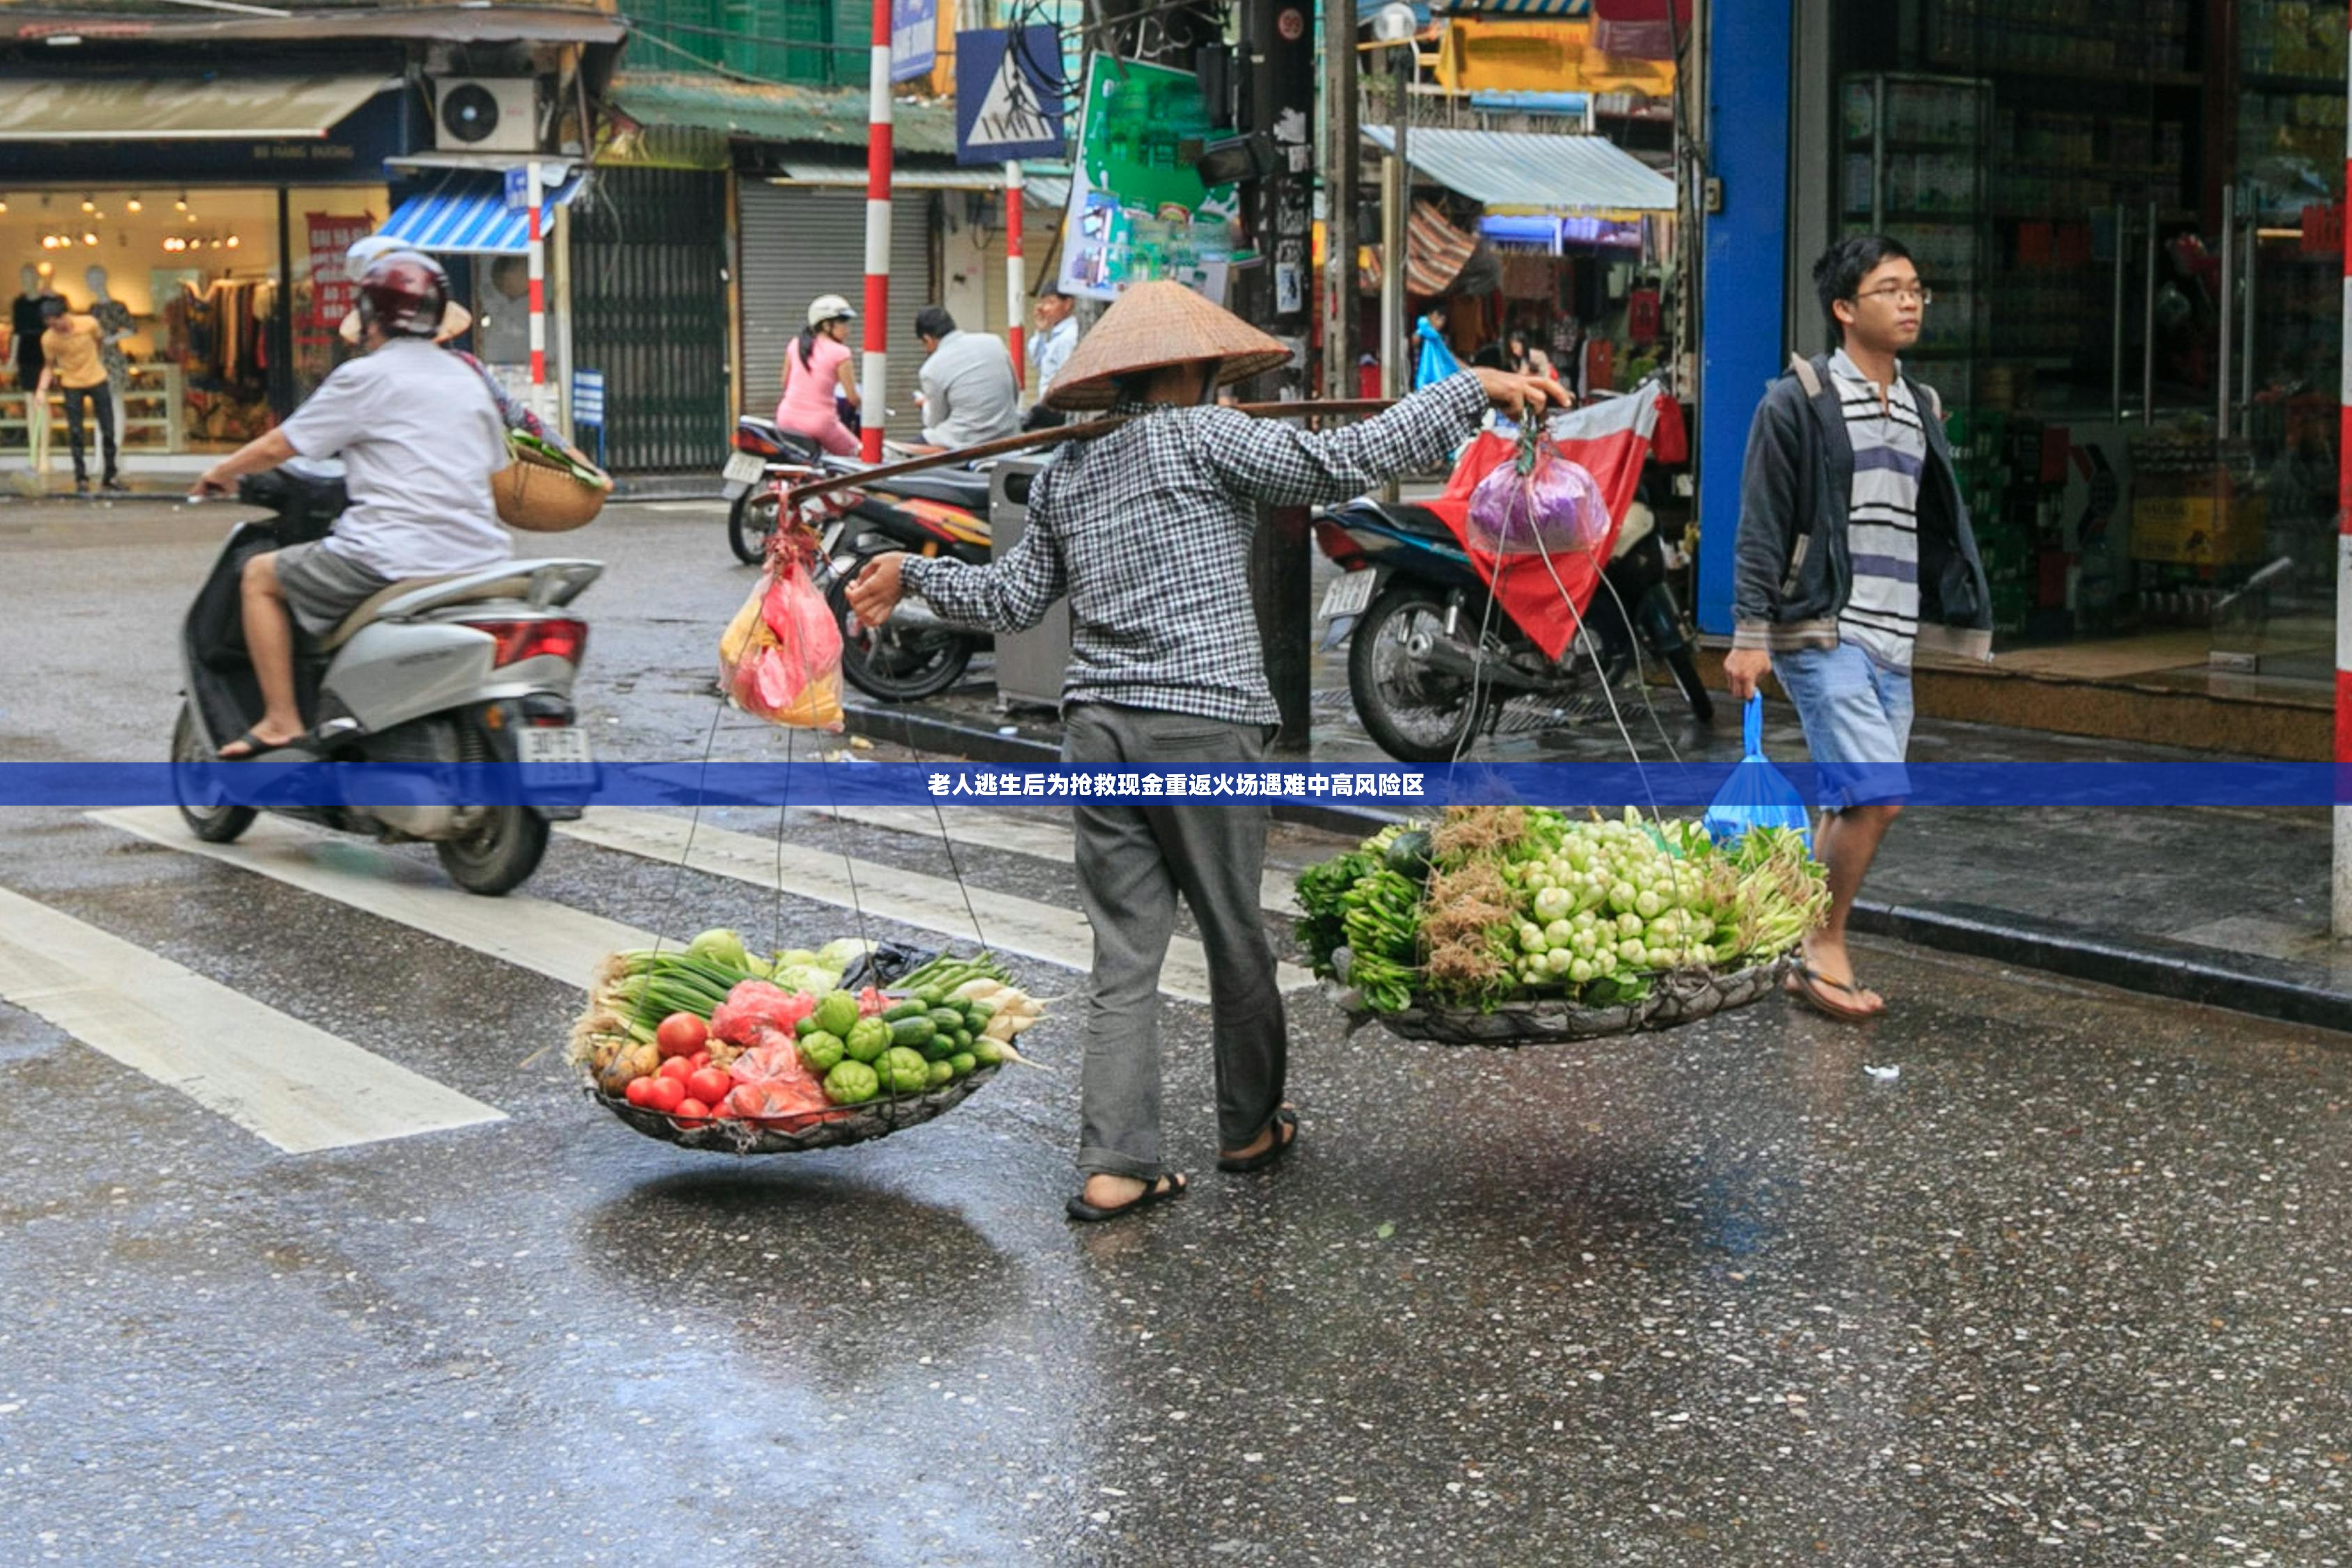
x,y
713,1047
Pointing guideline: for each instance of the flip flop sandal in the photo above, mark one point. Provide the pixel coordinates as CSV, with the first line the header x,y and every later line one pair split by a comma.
x,y
1284,1127
253,746
1167,1190
1810,986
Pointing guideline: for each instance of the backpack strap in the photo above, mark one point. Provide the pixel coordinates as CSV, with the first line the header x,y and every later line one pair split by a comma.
x,y
1807,377
1935,399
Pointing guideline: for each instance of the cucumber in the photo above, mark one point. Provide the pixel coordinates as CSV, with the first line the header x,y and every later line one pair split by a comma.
x,y
948,1017
913,1007
963,1039
914,1032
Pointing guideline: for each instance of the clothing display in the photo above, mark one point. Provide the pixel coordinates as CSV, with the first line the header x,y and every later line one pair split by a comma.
x,y
26,324
114,322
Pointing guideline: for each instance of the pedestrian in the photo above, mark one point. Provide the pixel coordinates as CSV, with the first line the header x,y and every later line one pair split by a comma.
x,y
1146,532
1524,359
1057,335
71,357
1853,553
819,377
969,394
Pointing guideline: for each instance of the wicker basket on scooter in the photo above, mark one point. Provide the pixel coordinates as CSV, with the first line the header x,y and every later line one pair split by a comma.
x,y
1677,998
835,1128
539,494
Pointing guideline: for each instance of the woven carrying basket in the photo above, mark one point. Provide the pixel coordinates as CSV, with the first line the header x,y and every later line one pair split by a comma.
x,y
835,1128
539,499
1679,997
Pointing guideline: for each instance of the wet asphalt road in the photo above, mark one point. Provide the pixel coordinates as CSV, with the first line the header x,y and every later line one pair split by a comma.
x,y
2068,1285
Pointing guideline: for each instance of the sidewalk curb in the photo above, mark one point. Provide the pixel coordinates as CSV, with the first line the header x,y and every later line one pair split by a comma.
x,y
2150,965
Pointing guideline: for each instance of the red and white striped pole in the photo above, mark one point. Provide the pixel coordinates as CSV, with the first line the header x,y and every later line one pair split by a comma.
x,y
538,262
2340,889
1016,279
874,384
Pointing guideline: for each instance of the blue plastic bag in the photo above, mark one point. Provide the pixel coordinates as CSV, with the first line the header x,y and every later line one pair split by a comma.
x,y
1756,795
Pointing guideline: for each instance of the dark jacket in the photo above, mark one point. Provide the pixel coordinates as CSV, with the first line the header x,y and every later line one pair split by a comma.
x,y
1792,571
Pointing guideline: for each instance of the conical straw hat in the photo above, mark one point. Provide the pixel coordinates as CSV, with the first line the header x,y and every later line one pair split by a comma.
x,y
1154,325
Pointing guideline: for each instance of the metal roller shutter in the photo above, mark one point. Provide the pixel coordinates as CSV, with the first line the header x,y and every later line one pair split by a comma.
x,y
648,302
798,241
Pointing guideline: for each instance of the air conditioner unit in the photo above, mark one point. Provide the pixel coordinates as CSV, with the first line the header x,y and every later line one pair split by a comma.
x,y
486,114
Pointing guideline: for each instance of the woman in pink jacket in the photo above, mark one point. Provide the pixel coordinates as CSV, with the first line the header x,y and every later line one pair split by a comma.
x,y
817,371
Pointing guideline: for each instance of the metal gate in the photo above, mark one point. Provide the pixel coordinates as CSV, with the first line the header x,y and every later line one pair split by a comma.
x,y
649,309
798,241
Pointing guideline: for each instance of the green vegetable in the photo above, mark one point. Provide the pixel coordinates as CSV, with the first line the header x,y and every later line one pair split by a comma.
x,y
987,1052
962,1063
913,1031
721,945
836,1012
851,1082
823,1052
1409,854
942,1073
841,954
910,1009
903,1071
866,1040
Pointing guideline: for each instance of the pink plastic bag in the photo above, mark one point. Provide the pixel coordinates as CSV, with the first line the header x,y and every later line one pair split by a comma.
x,y
1544,504
780,656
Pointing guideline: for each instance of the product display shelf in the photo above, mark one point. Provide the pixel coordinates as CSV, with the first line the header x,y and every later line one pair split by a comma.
x,y
152,414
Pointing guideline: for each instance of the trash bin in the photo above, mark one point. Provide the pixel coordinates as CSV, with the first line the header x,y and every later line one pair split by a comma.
x,y
1029,664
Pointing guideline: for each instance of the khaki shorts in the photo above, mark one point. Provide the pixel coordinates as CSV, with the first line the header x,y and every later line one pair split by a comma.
x,y
322,588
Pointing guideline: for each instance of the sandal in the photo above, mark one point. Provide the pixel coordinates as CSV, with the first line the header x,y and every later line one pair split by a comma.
x,y
1810,986
1167,1190
1284,1127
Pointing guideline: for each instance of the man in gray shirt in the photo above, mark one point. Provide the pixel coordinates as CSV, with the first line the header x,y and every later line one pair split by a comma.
x,y
969,392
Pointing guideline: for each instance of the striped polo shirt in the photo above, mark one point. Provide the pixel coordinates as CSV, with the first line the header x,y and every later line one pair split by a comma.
x,y
1890,453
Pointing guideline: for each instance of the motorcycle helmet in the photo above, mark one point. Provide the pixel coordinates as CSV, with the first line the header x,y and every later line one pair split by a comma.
x,y
827,308
404,295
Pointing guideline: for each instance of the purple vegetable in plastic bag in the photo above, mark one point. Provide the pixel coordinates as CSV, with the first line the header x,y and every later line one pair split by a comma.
x,y
1545,503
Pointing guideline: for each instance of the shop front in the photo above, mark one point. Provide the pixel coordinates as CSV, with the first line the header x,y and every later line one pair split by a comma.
x,y
214,241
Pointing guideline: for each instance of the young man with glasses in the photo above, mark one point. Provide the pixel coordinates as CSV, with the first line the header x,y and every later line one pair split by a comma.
x,y
1854,552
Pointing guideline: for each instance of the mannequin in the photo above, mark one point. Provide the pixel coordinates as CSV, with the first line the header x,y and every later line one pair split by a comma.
x,y
24,326
114,326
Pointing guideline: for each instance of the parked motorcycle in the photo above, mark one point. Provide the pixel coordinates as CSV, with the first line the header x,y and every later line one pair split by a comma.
x,y
1415,609
915,653
469,669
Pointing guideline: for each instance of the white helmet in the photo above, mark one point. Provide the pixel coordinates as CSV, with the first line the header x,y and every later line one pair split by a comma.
x,y
829,307
365,249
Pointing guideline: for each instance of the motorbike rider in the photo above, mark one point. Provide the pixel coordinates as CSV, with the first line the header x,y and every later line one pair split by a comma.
x,y
818,374
420,439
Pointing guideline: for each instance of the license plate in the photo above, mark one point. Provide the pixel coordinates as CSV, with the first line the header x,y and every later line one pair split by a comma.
x,y
1349,594
557,757
744,468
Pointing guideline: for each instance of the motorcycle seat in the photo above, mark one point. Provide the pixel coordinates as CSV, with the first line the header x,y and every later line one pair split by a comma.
x,y
965,490
517,579
1410,517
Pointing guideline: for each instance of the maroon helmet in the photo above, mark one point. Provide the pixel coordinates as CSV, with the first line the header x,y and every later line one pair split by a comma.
x,y
404,294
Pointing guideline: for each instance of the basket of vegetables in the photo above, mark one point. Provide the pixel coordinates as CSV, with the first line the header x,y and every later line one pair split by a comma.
x,y
710,1047
548,488
1512,925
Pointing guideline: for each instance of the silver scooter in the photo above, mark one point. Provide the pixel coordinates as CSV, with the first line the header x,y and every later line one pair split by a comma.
x,y
434,673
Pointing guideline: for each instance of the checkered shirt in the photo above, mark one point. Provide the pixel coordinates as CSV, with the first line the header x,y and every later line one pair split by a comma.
x,y
1148,532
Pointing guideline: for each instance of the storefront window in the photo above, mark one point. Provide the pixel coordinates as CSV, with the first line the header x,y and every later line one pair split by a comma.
x,y
2132,224
325,220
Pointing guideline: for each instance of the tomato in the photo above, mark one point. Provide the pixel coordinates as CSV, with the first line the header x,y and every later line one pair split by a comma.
x,y
635,1095
681,1034
662,1094
678,1068
709,1085
692,1114
699,1060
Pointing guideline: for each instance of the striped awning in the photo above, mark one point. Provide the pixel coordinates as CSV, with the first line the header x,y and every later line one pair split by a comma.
x,y
1526,172
1564,10
465,213
1044,189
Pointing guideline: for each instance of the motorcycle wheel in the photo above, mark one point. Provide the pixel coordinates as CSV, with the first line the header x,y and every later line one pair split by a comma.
x,y
750,522
212,822
1695,691
501,856
894,667
1411,712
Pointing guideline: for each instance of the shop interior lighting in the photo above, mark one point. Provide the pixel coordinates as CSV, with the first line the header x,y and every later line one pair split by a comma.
x,y
88,239
135,205
4,203
182,205
232,242
45,269
89,204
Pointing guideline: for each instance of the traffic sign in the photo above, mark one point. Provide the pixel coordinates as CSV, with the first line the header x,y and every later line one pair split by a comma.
x,y
1008,94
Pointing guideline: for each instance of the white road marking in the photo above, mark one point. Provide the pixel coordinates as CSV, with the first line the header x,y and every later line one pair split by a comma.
x,y
299,1088
1042,834
1011,923
551,940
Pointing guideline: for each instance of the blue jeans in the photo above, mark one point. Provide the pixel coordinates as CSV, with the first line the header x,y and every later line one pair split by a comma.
x,y
1857,717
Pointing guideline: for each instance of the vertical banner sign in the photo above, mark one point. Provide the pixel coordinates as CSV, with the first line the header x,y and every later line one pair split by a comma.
x,y
1137,211
334,292
2341,899
1008,95
914,38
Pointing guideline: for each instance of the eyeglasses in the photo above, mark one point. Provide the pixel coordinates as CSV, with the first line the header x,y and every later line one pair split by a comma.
x,y
1897,292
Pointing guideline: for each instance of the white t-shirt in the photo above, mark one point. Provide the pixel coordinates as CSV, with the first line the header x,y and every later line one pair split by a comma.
x,y
419,437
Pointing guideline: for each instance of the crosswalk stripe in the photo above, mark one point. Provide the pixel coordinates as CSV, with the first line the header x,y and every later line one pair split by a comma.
x,y
1037,836
296,1086
551,940
1011,923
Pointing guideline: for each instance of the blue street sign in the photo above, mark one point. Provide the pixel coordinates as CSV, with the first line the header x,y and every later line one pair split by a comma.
x,y
517,189
588,397
914,38
1008,100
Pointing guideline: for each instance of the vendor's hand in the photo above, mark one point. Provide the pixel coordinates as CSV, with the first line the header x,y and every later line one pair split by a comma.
x,y
1519,396
874,592
213,485
1744,669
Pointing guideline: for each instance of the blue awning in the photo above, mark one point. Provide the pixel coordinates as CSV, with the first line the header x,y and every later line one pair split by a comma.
x,y
465,213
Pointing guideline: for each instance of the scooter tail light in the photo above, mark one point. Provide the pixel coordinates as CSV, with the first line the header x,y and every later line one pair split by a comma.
x,y
759,445
521,640
1338,545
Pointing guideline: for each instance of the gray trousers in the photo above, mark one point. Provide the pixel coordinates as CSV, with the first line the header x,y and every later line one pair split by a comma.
x,y
1133,861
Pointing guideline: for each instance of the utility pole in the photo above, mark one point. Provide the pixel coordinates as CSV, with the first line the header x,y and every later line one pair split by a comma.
x,y
1341,196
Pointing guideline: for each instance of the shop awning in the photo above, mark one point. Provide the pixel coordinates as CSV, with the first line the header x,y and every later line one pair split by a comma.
x,y
1042,189
1524,172
465,214
256,109
762,111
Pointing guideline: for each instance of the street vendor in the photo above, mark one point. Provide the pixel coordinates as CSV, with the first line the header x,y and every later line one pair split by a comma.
x,y
1146,531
